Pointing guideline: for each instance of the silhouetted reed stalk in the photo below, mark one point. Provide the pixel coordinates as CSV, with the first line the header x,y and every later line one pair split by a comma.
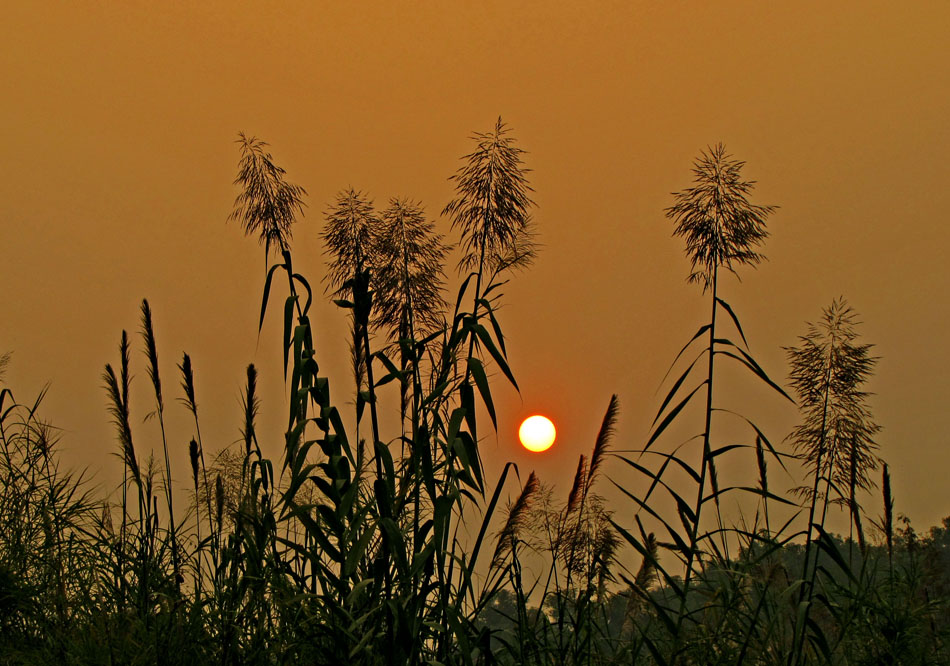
x,y
218,525
505,557
579,497
492,212
151,351
306,387
721,229
196,453
118,390
853,502
407,283
835,438
585,533
408,258
193,457
350,238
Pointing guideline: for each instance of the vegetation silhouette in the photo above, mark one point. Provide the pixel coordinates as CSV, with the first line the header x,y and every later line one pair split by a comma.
x,y
835,440
324,557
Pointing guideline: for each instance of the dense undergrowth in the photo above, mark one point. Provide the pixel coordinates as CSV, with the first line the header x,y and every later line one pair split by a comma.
x,y
373,547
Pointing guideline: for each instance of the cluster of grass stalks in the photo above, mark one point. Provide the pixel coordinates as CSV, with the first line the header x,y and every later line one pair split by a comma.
x,y
358,547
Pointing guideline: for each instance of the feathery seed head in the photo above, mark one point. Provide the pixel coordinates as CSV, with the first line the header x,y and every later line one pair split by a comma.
x,y
193,454
188,382
580,476
219,500
409,256
251,407
517,515
117,388
492,203
151,350
603,440
828,370
720,225
350,236
268,204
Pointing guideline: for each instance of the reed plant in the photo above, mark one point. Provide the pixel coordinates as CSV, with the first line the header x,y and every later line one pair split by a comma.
x,y
379,561
835,439
723,231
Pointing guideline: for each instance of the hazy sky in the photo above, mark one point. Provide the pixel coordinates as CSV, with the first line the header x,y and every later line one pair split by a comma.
x,y
118,128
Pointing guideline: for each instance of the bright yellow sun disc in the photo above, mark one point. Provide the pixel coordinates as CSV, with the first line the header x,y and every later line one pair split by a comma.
x,y
537,433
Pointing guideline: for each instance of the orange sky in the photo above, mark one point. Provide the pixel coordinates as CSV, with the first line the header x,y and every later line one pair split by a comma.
x,y
118,125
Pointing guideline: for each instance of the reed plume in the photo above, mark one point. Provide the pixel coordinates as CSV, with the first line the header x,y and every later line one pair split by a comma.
x,y
193,456
350,239
602,443
517,518
268,204
828,370
118,390
151,351
188,383
721,227
188,386
251,407
574,496
491,209
409,256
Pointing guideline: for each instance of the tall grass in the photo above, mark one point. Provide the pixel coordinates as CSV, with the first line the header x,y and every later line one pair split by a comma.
x,y
394,548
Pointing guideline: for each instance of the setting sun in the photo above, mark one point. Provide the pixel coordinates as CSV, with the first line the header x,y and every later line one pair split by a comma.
x,y
537,433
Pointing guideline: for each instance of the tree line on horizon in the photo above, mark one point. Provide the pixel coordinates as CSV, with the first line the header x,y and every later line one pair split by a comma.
x,y
370,547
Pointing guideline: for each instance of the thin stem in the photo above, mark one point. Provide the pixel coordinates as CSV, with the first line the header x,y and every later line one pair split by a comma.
x,y
694,535
807,592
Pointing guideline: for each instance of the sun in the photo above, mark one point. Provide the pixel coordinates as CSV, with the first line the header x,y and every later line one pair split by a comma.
x,y
537,433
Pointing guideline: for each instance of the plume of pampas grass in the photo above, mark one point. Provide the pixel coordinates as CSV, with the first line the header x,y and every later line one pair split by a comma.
x,y
409,275
720,225
151,351
118,390
350,236
193,455
492,203
251,407
602,442
580,476
268,204
188,386
517,516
